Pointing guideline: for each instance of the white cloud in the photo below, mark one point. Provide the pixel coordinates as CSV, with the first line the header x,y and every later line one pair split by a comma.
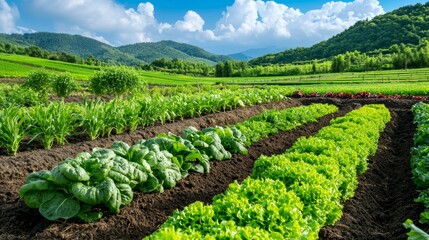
x,y
253,22
102,18
334,17
192,22
8,16
245,24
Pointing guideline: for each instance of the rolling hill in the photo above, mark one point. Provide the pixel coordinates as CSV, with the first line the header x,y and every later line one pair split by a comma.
x,y
406,25
134,54
170,49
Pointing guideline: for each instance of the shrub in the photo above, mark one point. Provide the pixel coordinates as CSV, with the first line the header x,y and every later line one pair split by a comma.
x,y
63,85
115,80
39,81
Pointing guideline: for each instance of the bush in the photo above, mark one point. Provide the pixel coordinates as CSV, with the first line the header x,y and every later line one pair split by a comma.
x,y
39,81
63,85
115,80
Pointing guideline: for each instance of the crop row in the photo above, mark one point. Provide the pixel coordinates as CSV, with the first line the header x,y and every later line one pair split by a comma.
x,y
289,196
57,121
107,177
419,164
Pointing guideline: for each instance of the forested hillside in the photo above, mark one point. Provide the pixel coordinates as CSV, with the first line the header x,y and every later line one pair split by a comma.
x,y
134,54
407,25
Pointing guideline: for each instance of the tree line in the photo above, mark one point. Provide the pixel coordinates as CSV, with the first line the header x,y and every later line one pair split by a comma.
x,y
396,57
35,51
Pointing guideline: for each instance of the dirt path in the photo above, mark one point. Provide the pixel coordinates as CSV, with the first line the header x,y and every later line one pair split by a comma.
x,y
384,197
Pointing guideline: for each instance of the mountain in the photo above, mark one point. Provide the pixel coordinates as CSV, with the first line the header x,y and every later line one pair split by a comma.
x,y
133,54
254,53
170,49
406,25
72,44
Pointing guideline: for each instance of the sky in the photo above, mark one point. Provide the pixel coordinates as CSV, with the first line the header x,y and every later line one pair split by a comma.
x,y
219,26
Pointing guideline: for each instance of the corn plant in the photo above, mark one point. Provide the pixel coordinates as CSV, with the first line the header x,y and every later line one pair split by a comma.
x,y
131,114
65,122
43,125
93,119
148,110
114,117
13,128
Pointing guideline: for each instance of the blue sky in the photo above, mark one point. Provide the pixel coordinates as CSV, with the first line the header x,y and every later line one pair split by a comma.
x,y
220,26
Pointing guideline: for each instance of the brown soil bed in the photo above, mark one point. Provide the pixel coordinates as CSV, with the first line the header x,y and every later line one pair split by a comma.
x,y
375,213
384,197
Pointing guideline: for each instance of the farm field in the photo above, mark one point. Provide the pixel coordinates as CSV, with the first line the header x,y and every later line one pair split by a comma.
x,y
220,121
17,66
382,196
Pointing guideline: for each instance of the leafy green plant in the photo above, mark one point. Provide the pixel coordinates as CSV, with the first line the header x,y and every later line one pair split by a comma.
x,y
63,85
419,159
415,232
13,128
19,96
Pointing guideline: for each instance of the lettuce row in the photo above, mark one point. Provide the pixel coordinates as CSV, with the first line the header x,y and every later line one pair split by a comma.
x,y
274,121
289,196
107,177
420,158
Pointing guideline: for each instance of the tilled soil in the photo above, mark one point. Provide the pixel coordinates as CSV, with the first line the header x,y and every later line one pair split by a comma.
x,y
382,201
384,197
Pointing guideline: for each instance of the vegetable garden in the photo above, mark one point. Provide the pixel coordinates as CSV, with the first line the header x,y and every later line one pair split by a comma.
x,y
307,168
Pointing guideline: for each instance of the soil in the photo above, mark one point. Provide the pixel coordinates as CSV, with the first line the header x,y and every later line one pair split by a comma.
x,y
383,199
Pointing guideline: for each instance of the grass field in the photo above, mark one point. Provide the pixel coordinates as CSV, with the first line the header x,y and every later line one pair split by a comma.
x,y
20,66
403,82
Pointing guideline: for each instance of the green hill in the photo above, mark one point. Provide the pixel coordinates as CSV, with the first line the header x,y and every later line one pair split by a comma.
x,y
194,51
133,54
149,52
72,44
406,25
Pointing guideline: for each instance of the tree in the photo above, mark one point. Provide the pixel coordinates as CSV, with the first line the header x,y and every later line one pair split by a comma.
x,y
227,69
219,69
314,66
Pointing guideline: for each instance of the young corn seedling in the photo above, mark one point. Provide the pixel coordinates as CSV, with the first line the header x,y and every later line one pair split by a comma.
x,y
93,119
114,117
43,124
65,122
131,115
13,128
